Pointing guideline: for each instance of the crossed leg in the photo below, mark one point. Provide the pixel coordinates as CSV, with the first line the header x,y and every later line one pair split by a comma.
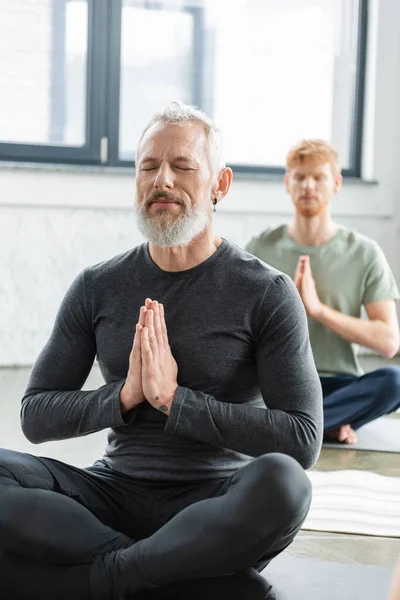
x,y
63,549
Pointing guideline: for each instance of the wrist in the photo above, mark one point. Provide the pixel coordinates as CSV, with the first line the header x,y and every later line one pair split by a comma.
x,y
123,400
126,399
165,405
319,313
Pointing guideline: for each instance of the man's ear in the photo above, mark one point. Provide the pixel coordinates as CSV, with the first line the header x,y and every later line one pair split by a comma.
x,y
223,184
338,183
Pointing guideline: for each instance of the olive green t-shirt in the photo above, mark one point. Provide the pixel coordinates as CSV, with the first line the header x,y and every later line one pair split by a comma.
x,y
350,271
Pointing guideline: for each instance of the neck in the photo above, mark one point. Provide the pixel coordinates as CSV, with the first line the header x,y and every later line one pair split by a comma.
x,y
182,258
312,231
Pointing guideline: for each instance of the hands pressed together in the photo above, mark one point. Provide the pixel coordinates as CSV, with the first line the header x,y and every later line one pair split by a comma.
x,y
305,284
153,371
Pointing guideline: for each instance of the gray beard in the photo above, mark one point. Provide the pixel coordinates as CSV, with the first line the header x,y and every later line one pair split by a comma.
x,y
165,231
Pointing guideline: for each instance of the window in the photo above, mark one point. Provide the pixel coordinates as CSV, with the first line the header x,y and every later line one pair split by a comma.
x,y
44,78
285,71
80,78
164,70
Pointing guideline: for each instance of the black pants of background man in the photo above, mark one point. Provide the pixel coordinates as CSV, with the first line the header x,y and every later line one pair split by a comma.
x,y
56,520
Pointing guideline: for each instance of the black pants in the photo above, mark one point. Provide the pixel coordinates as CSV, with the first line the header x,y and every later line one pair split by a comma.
x,y
97,534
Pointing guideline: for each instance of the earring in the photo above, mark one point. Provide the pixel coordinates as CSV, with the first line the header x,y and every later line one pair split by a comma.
x,y
215,205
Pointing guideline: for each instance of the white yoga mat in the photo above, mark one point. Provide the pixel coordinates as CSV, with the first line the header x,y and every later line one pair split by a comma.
x,y
357,502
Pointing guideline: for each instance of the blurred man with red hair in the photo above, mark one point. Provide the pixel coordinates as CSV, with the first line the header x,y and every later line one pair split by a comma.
x,y
337,271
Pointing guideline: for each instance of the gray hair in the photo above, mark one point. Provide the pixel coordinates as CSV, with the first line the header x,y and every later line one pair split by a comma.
x,y
178,112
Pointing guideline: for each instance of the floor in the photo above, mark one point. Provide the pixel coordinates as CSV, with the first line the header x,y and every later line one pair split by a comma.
x,y
324,546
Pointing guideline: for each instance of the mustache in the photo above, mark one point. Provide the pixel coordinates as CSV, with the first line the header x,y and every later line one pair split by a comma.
x,y
165,196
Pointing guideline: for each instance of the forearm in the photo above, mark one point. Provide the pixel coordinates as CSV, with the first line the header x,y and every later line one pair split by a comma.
x,y
290,420
373,334
247,429
57,415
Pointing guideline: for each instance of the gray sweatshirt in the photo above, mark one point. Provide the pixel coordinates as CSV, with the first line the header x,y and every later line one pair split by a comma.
x,y
247,380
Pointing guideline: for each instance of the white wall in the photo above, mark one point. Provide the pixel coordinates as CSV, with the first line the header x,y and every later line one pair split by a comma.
x,y
55,221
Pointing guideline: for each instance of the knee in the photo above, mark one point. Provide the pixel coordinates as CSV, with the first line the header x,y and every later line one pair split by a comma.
x,y
391,384
281,487
393,379
288,481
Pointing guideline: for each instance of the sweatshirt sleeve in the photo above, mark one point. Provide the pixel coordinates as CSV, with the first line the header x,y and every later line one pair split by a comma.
x,y
292,421
53,406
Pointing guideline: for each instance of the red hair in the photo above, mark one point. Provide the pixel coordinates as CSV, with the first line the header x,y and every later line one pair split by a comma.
x,y
313,151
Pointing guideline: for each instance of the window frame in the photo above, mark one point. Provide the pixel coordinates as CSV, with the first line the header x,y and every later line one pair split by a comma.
x,y
103,94
114,73
90,152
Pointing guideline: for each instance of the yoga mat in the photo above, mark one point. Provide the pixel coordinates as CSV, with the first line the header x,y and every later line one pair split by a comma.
x,y
303,579
352,501
381,435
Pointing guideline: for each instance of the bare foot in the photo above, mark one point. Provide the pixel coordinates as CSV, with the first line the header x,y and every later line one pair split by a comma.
x,y
344,434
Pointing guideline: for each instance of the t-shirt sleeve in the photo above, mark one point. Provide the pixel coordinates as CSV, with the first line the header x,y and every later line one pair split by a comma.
x,y
380,283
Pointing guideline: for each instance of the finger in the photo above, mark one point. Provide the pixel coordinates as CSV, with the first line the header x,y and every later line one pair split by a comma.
x,y
304,286
146,353
164,325
136,341
157,324
300,262
303,265
147,303
151,332
305,261
142,316
298,277
135,358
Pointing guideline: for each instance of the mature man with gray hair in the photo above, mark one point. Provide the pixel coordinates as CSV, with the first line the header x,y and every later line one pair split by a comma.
x,y
214,407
